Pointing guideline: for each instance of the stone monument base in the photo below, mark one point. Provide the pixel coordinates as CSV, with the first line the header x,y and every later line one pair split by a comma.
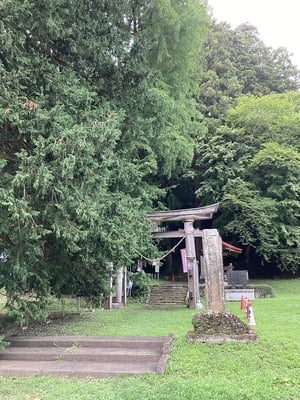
x,y
236,294
218,327
117,305
193,337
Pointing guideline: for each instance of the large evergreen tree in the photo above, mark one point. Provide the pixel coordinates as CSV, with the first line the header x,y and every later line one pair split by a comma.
x,y
238,62
96,105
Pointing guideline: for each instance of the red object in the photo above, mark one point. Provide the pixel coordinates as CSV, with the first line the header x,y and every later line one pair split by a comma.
x,y
243,303
173,277
232,248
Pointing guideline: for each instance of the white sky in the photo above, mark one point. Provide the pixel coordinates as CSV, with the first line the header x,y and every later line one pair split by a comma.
x,y
277,21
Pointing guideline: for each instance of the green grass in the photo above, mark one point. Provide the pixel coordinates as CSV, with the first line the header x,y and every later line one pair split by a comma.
x,y
266,370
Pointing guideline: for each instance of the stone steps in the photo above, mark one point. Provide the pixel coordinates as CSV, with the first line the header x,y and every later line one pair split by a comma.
x,y
69,368
86,341
79,354
97,357
168,294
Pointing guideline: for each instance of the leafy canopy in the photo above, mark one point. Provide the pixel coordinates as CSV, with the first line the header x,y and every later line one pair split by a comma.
x,y
96,105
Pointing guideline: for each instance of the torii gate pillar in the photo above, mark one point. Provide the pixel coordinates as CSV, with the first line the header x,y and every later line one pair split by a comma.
x,y
192,264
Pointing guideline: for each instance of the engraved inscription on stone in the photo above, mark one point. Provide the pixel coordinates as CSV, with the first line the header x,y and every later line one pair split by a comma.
x,y
214,273
237,278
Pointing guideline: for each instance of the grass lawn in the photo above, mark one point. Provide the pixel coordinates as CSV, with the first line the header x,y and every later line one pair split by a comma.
x,y
266,370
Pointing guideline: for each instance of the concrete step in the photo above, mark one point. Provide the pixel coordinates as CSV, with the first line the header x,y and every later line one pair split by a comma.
x,y
87,341
79,354
96,356
20,368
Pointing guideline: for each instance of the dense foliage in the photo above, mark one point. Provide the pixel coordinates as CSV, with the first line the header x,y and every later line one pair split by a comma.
x,y
253,169
111,108
96,104
248,159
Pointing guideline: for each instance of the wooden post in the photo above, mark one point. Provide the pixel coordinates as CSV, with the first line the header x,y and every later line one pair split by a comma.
x,y
192,264
78,305
214,274
119,285
109,269
124,286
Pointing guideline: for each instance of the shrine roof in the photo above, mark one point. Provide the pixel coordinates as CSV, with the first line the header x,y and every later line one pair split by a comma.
x,y
231,248
195,214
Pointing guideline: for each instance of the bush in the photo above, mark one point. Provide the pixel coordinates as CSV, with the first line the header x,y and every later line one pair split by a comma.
x,y
262,291
25,310
3,343
141,283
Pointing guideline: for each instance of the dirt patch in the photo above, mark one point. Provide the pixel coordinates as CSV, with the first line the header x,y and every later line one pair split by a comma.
x,y
54,325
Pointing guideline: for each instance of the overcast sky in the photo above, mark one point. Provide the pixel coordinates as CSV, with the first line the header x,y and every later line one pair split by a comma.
x,y
277,21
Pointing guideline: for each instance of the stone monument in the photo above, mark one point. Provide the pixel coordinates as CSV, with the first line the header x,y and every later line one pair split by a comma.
x,y
214,273
216,325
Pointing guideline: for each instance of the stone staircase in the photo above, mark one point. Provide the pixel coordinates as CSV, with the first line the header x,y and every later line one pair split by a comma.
x,y
168,294
97,357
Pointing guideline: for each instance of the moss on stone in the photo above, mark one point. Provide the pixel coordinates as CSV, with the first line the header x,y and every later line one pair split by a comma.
x,y
219,323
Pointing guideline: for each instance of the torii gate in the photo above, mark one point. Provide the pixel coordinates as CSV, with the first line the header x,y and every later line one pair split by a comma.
x,y
215,299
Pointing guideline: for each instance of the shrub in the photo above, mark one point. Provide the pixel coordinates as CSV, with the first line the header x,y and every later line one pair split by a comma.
x,y
3,343
141,283
262,291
